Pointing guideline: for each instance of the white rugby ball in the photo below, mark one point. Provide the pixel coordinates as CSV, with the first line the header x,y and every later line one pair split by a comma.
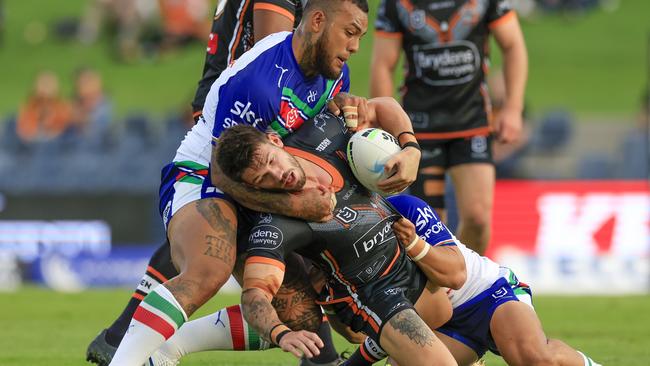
x,y
368,150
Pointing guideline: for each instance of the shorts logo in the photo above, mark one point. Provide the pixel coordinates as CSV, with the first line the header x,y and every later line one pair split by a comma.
x,y
347,215
500,293
265,218
265,237
393,291
479,144
166,213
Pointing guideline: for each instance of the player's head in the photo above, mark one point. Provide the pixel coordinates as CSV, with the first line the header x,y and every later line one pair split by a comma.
x,y
332,30
248,155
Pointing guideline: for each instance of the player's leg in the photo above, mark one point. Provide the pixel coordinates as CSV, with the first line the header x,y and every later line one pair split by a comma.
x,y
159,270
202,235
430,182
518,335
472,173
408,340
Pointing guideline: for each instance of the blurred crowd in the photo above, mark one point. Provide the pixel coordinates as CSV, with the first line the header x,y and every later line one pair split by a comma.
x,y
140,28
60,144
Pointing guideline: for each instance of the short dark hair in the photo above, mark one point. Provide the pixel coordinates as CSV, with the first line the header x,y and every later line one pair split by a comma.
x,y
236,149
327,5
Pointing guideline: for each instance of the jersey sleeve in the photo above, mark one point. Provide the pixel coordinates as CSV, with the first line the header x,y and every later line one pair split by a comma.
x,y
427,223
498,12
345,79
239,103
286,8
274,236
387,23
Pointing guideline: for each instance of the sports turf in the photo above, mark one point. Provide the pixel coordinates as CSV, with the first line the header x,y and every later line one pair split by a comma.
x,y
41,327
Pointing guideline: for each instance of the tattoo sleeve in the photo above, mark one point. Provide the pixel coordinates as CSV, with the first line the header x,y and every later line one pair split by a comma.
x,y
258,312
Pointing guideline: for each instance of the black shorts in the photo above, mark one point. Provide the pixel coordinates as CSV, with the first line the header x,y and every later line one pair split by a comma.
x,y
452,152
375,303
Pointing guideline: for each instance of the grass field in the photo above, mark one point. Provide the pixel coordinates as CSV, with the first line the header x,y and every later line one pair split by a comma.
x,y
40,327
594,64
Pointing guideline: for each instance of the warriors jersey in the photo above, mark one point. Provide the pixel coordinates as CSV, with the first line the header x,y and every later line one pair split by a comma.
x,y
264,88
357,249
232,34
446,47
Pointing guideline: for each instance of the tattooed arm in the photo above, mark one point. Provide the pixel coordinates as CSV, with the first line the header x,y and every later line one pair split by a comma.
x,y
262,279
313,204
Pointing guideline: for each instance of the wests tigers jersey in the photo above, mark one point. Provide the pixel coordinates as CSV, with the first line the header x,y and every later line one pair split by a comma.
x,y
358,245
447,50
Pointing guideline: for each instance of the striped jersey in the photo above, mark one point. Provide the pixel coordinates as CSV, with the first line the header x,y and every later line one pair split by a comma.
x,y
232,34
264,88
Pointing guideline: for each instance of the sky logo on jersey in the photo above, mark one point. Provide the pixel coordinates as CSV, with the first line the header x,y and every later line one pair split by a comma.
x,y
430,228
244,113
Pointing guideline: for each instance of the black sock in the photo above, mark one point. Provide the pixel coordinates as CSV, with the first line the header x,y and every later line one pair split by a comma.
x,y
366,355
328,352
160,270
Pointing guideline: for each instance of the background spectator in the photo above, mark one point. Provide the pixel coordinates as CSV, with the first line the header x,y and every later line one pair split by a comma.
x,y
45,114
92,111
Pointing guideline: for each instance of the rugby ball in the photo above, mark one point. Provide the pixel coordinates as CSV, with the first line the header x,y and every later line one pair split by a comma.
x,y
368,150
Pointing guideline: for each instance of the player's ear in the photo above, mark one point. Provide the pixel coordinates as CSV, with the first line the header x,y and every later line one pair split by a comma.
x,y
275,139
317,21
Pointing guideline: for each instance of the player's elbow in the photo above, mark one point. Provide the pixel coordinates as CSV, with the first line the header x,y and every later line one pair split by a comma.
x,y
458,275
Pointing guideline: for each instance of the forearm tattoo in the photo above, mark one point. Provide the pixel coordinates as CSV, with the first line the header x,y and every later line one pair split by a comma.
x,y
259,312
409,323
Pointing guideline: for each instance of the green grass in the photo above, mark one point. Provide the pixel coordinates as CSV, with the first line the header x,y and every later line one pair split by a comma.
x,y
40,327
594,65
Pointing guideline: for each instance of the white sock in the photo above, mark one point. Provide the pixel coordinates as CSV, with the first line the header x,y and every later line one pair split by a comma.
x,y
156,319
225,330
588,361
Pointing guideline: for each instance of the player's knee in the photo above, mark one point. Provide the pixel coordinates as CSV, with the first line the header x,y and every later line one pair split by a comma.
x,y
534,356
477,217
209,280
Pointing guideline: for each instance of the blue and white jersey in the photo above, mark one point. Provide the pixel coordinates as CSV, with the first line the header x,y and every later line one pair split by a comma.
x,y
264,88
481,271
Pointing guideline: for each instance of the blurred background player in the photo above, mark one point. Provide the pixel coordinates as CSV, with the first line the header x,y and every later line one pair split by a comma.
x,y
446,44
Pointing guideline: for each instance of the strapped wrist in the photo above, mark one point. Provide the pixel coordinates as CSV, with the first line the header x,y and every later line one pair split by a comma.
x,y
412,144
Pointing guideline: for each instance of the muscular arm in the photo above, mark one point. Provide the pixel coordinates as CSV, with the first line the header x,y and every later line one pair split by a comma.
x,y
385,54
515,67
444,264
266,21
261,283
310,205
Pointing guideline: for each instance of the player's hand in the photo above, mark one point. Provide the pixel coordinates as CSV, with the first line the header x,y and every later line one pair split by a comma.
x,y
508,125
301,343
313,204
354,110
401,170
404,231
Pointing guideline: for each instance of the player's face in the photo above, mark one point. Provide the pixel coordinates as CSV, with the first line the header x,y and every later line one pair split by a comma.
x,y
274,169
340,39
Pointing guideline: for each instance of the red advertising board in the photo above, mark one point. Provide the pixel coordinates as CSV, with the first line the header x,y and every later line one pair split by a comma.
x,y
572,226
